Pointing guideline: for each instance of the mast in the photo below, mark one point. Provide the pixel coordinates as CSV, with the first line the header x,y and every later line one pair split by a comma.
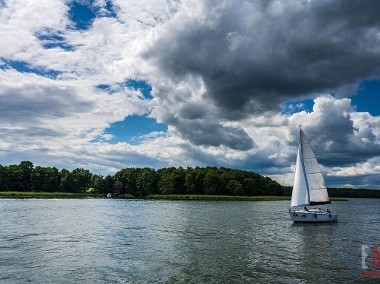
x,y
303,165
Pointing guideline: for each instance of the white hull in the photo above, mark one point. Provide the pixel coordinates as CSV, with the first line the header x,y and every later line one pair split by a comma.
x,y
301,215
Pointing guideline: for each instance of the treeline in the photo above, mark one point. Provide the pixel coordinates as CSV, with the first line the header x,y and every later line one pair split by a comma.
x,y
344,192
137,181
354,192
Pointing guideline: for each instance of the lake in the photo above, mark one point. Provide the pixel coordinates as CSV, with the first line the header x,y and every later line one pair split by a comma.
x,y
142,241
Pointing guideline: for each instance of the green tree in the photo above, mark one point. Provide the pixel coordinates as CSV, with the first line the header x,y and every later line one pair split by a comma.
x,y
5,182
102,185
250,187
81,180
118,187
66,181
171,180
235,188
211,182
146,182
45,179
15,175
190,181
108,184
140,181
128,177
166,181
27,169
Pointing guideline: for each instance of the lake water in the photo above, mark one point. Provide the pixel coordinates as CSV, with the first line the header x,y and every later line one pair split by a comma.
x,y
136,241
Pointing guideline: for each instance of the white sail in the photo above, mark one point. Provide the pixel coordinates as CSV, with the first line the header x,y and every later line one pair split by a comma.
x,y
300,195
314,178
309,188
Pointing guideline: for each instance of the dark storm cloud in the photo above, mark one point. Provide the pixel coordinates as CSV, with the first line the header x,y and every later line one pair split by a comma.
x,y
29,104
30,132
253,56
337,137
203,132
369,181
339,143
193,111
194,123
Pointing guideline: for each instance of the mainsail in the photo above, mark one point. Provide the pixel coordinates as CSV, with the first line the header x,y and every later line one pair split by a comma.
x,y
309,186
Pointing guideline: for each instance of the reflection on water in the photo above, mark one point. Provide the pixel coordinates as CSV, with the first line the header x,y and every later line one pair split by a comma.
x,y
124,241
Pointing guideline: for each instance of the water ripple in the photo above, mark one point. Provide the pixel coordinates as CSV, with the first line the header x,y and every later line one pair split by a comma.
x,y
122,241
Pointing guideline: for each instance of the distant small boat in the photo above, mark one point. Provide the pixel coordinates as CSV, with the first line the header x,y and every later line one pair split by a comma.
x,y
310,198
109,195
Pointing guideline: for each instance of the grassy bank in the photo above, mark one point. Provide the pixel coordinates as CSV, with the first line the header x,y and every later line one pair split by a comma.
x,y
225,197
215,197
16,194
338,199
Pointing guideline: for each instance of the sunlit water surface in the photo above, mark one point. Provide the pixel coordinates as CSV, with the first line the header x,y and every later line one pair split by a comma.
x,y
126,241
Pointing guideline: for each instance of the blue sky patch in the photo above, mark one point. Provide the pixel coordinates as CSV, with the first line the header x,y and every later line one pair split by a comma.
x,y
295,106
25,67
82,15
108,10
133,127
103,87
367,98
141,85
53,40
136,85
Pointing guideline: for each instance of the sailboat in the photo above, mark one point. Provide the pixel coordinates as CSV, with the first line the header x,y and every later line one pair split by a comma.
x,y
310,199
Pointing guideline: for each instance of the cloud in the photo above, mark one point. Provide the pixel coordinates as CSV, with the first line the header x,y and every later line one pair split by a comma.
x,y
254,55
340,134
360,175
273,153
221,61
31,101
218,73
21,19
40,112
203,132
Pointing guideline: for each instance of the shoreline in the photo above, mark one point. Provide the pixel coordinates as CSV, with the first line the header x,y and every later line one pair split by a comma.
x,y
69,195
46,195
226,197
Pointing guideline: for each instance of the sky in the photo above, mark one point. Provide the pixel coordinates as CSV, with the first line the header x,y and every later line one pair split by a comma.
x,y
110,84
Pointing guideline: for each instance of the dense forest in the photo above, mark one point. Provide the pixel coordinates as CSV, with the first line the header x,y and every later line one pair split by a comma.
x,y
344,192
137,181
